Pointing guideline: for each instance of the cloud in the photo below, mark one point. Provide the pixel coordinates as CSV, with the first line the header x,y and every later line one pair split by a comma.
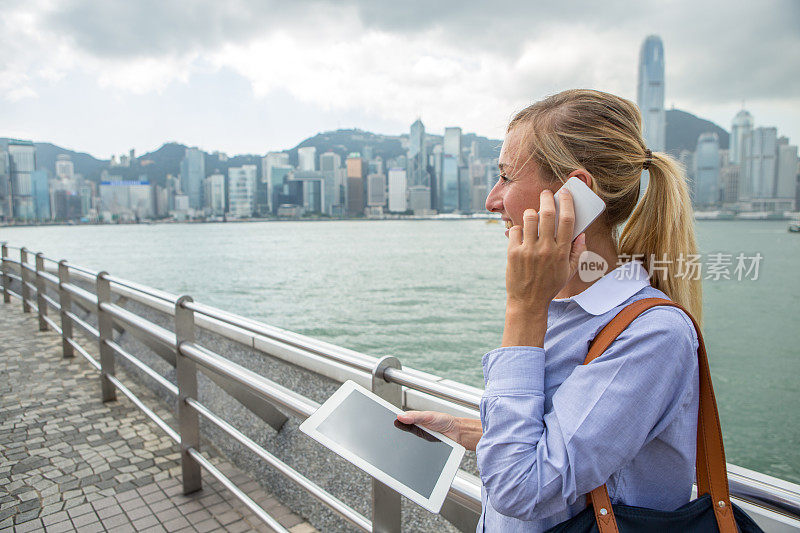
x,y
471,63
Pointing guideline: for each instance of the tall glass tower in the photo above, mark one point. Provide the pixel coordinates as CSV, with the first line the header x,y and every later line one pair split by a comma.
x,y
417,156
451,161
650,94
706,161
650,97
742,127
193,172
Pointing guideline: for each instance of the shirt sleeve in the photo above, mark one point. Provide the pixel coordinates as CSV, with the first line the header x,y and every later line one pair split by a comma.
x,y
534,464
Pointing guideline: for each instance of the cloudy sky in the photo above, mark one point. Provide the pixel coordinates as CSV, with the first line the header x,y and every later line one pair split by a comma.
x,y
249,76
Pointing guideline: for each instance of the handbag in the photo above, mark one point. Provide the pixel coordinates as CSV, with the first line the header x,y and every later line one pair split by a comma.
x,y
712,510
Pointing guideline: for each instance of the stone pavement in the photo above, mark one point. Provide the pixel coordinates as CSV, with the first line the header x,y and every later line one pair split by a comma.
x,y
70,462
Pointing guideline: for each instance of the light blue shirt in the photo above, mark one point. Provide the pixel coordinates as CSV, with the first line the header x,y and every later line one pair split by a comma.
x,y
554,429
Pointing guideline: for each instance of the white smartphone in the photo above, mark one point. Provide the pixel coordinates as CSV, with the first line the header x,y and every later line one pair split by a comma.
x,y
588,205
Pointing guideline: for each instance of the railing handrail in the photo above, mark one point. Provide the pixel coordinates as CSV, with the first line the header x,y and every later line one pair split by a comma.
x,y
778,495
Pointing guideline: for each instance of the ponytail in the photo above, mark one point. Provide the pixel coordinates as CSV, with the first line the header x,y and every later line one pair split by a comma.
x,y
660,232
602,133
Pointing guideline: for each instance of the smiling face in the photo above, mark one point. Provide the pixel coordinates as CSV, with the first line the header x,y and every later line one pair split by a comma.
x,y
519,185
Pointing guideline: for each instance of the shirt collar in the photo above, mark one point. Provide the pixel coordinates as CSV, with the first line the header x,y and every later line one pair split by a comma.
x,y
612,289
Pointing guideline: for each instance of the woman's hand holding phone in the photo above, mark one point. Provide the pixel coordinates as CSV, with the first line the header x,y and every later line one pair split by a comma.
x,y
541,261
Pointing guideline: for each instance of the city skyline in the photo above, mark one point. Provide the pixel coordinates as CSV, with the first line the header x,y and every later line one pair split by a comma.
x,y
110,77
758,171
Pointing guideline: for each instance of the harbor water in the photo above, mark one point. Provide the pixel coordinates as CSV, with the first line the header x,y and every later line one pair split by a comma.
x,y
432,293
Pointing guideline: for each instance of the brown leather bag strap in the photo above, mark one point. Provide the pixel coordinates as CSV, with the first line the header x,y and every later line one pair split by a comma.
x,y
712,473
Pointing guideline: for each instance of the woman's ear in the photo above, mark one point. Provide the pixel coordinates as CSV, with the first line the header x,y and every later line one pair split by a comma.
x,y
583,175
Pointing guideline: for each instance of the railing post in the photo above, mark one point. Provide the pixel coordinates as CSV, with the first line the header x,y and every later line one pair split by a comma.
x,y
65,301
386,501
23,274
6,279
188,420
41,288
105,328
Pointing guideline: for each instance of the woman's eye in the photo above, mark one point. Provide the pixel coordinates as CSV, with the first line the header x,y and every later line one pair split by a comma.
x,y
504,177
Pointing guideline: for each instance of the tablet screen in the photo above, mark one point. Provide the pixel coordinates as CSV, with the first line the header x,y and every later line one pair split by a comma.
x,y
372,432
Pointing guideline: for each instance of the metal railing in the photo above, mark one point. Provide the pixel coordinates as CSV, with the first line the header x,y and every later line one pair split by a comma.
x,y
770,500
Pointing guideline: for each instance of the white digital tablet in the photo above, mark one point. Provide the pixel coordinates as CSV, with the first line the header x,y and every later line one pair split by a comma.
x,y
363,428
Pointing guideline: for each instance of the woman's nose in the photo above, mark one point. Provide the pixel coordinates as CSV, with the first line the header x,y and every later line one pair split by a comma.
x,y
494,202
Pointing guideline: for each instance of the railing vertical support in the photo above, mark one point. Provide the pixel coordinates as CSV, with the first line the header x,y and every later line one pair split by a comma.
x,y
386,501
65,301
23,274
188,419
6,279
105,328
41,288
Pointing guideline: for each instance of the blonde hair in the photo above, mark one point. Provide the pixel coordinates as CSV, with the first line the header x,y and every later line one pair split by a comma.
x,y
602,133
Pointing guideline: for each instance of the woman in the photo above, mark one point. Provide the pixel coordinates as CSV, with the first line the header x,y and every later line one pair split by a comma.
x,y
552,429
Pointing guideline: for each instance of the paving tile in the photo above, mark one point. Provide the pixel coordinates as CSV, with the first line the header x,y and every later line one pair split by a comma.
x,y
94,527
238,527
80,510
132,504
66,525
111,510
104,502
198,516
175,523
207,525
31,525
162,505
145,522
227,517
112,522
55,518
139,512
85,519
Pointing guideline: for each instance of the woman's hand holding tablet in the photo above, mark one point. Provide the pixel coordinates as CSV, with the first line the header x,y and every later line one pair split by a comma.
x,y
364,429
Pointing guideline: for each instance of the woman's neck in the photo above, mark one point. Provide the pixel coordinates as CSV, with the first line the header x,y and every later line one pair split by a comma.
x,y
600,242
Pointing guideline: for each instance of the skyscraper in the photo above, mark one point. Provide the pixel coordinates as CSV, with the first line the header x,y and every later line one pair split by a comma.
x,y
786,174
241,190
650,96
451,161
706,160
356,171
22,159
330,164
193,172
741,127
759,163
417,156
270,161
307,158
397,189
376,190
65,170
5,186
214,194
40,192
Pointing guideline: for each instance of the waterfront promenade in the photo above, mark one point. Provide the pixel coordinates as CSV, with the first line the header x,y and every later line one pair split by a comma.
x,y
69,462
